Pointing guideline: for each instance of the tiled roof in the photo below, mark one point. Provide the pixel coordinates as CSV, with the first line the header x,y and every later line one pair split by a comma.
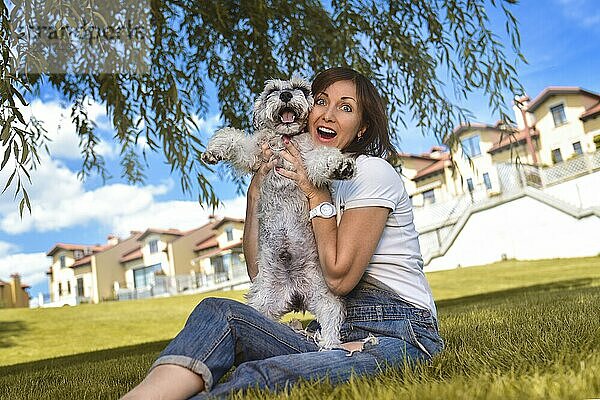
x,y
468,127
436,167
82,261
423,156
171,231
68,246
554,90
131,255
219,250
226,219
206,244
2,283
591,112
508,139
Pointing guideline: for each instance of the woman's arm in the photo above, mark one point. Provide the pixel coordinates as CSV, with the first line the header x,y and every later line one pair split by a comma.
x,y
250,242
344,250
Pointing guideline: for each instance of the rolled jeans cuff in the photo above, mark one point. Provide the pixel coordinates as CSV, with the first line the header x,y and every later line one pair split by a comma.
x,y
193,365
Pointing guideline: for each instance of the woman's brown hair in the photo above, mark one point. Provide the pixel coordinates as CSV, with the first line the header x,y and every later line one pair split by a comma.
x,y
375,141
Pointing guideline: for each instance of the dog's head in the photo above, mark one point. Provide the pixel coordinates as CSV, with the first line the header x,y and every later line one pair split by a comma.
x,y
283,106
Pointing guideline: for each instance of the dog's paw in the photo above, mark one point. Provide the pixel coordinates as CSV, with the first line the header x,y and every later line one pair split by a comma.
x,y
345,169
210,157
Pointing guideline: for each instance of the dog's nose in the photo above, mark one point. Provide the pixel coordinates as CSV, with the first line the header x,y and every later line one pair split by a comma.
x,y
285,96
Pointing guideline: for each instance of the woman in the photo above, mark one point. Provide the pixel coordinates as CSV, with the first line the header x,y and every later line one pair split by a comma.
x,y
369,255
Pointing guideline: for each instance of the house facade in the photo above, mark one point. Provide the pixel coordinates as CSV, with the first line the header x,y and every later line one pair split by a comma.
x,y
13,294
559,124
568,120
153,262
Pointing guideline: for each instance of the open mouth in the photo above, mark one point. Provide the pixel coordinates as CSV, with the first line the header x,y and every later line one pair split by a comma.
x,y
326,133
287,116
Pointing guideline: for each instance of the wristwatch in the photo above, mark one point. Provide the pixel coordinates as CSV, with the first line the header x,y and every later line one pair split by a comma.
x,y
323,210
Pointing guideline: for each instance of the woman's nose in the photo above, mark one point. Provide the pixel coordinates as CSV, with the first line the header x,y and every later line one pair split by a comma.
x,y
329,114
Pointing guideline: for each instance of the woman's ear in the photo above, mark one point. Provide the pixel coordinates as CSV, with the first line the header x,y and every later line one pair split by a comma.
x,y
362,130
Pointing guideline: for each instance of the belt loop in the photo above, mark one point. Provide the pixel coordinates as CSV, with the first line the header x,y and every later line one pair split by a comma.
x,y
379,311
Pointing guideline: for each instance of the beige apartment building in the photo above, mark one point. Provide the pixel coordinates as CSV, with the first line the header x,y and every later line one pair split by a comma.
x,y
94,273
559,124
13,294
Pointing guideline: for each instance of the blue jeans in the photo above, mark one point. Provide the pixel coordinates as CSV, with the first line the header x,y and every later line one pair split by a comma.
x,y
221,333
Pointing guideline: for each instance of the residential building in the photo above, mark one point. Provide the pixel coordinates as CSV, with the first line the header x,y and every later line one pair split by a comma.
x,y
149,263
567,119
70,272
13,294
560,123
428,176
220,253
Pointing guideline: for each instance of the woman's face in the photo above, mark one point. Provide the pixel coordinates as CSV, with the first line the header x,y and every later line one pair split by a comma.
x,y
336,118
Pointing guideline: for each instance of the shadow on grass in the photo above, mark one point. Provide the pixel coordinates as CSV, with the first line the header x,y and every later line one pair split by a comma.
x,y
84,358
501,295
10,329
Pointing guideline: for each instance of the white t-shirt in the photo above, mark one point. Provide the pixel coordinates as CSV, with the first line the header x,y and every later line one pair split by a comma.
x,y
397,261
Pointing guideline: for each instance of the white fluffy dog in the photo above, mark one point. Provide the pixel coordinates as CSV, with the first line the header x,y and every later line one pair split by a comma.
x,y
289,276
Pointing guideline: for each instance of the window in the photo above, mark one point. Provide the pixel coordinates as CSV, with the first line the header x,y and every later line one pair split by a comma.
x,y
153,244
429,197
60,289
78,254
80,287
63,262
229,232
486,181
577,148
143,277
558,113
556,156
470,184
470,146
69,287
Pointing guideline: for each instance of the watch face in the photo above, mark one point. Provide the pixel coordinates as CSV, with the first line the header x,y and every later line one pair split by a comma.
x,y
327,210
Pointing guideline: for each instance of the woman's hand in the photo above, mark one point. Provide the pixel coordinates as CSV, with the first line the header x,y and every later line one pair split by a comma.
x,y
267,163
298,174
250,244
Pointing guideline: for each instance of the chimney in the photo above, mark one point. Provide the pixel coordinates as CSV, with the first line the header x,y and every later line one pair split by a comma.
x,y
212,218
15,289
520,103
112,240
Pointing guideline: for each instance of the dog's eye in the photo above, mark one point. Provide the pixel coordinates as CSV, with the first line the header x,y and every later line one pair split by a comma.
x,y
305,91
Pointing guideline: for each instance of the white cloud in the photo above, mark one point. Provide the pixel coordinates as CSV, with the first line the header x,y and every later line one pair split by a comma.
x,y
59,200
31,267
584,12
56,119
175,214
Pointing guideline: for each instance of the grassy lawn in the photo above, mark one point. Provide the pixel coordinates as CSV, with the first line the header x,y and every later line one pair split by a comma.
x,y
513,330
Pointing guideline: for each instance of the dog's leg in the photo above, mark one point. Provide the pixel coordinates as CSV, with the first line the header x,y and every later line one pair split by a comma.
x,y
266,294
326,163
232,145
330,313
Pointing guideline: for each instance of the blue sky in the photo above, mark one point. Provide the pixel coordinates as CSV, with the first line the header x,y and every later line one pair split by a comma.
x,y
560,39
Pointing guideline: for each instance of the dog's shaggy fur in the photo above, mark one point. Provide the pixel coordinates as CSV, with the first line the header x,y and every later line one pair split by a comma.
x,y
289,276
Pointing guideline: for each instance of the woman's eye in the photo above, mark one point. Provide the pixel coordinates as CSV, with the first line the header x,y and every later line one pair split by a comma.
x,y
346,108
320,102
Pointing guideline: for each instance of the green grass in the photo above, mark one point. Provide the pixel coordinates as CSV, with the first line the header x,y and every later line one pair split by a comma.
x,y
513,330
